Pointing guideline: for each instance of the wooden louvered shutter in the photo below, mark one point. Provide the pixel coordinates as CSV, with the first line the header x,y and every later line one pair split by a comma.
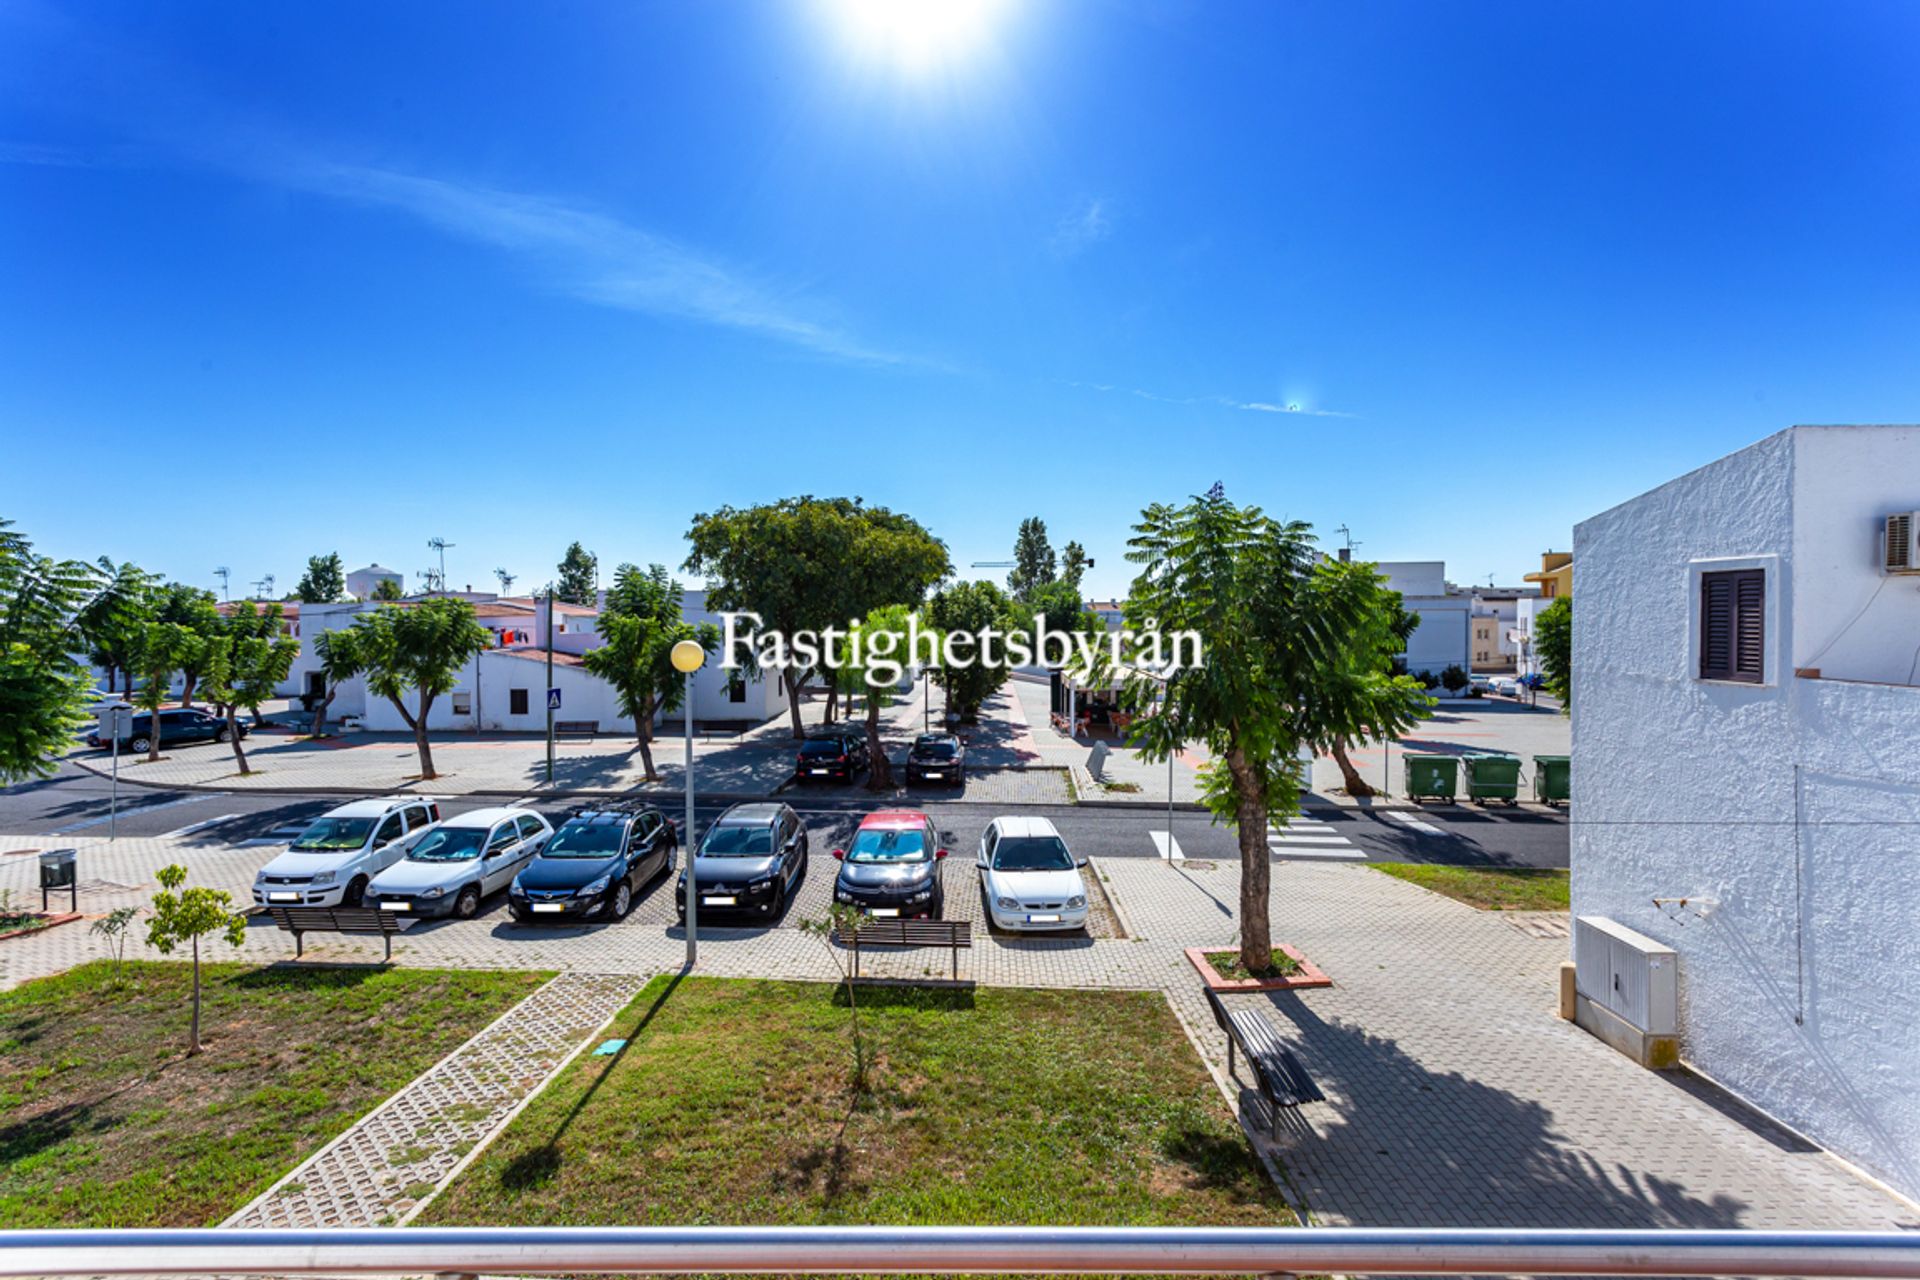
x,y
1733,625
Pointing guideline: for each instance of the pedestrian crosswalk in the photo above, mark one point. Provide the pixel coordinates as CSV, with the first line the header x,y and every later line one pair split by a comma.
x,y
1307,840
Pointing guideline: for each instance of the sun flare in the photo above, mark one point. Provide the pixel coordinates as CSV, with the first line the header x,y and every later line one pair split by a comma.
x,y
917,34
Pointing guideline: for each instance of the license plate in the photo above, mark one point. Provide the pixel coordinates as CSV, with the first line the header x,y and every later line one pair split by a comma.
x,y
935,773
283,897
885,912
549,906
819,773
393,904
717,901
1043,919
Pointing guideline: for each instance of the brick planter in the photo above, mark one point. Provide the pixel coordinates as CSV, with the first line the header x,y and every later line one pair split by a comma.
x,y
40,922
1309,975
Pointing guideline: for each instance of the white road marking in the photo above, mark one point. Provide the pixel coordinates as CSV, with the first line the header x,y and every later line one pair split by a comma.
x,y
259,841
1168,845
1288,837
1291,854
201,825
131,812
1406,819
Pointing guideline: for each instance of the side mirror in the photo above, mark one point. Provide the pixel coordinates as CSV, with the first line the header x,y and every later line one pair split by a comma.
x,y
1079,862
839,855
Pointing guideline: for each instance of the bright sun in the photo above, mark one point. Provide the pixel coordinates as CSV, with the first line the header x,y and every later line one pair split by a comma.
x,y
917,34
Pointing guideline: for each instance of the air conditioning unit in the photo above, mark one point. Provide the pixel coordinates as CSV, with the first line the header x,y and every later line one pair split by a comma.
x,y
1901,554
1627,990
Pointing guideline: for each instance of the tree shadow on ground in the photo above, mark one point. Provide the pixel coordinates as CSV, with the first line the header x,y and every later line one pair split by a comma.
x,y
1404,1145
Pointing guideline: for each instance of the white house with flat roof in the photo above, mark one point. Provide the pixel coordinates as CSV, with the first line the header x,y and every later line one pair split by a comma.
x,y
1443,637
1746,737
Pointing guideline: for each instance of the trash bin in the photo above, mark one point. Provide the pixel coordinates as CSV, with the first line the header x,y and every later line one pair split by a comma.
x,y
1431,777
1552,779
58,870
1493,777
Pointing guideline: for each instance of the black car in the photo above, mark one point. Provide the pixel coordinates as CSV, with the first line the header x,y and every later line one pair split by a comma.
x,y
751,860
831,756
937,757
177,725
892,868
591,868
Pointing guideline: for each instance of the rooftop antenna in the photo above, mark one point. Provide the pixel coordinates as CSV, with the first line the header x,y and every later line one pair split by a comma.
x,y
263,589
430,581
506,581
223,573
440,544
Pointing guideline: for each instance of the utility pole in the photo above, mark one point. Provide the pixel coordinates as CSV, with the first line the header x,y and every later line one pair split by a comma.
x,y
549,684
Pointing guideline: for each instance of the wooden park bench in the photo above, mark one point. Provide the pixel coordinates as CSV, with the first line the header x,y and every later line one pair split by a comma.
x,y
576,728
957,935
304,920
1283,1081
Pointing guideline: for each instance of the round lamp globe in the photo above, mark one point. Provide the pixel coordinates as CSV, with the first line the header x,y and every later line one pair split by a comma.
x,y
688,657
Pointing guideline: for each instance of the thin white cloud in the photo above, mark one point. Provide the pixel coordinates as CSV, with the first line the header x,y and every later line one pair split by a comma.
x,y
1081,229
1225,402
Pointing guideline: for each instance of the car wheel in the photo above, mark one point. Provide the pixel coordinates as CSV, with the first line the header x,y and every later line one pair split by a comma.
x,y
622,900
141,745
356,894
220,734
467,905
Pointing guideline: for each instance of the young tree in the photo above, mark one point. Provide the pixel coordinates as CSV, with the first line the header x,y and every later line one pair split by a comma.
x,y
1033,559
804,564
325,580
192,608
877,649
43,690
113,927
188,915
1073,565
1270,628
388,589
114,620
640,625
844,921
242,671
1359,695
969,607
579,576
421,647
1553,644
161,650
340,661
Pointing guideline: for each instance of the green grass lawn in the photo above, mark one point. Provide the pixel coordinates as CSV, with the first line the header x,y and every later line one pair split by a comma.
x,y
732,1103
105,1122
1489,888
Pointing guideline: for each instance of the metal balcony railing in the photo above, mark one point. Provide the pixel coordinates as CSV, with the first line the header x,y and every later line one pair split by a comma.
x,y
892,1250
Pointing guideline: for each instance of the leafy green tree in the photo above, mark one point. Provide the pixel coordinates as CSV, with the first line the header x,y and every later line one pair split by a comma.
x,y
1073,565
388,589
340,661
1360,695
970,607
420,647
579,580
194,609
640,625
161,651
1033,559
1271,628
113,927
188,915
804,564
325,580
242,671
113,622
43,689
1455,678
1553,645
877,659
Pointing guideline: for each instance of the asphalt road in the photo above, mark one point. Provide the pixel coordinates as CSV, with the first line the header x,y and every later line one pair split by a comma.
x,y
77,803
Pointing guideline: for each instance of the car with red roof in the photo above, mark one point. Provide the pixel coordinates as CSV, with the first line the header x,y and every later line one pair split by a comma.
x,y
892,866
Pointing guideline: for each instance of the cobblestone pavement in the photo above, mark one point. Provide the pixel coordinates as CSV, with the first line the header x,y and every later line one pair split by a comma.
x,y
1455,1096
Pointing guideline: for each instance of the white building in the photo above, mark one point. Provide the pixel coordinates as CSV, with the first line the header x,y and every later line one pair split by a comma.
x,y
1443,636
362,583
1746,735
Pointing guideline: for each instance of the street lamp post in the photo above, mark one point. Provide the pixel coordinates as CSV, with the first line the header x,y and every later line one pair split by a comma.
x,y
689,657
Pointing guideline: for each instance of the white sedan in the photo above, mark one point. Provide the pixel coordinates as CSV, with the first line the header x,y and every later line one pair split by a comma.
x,y
1031,880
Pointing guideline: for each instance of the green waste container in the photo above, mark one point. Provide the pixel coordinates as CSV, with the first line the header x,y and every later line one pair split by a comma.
x,y
1493,777
1553,779
1431,777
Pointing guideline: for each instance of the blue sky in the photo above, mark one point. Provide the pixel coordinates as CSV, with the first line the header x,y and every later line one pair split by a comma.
x,y
285,279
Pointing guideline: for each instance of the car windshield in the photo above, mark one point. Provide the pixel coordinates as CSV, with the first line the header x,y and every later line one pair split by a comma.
x,y
329,835
889,846
738,842
1032,853
585,840
935,750
823,747
449,844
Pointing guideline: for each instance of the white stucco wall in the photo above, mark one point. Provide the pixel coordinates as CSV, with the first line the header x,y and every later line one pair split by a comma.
x,y
1794,804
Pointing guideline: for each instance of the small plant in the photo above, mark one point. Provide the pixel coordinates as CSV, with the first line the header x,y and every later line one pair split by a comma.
x,y
188,916
843,920
1454,678
10,916
113,927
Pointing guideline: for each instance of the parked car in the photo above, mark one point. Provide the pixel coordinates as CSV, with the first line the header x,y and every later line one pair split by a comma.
x,y
751,859
1031,880
937,757
892,867
594,866
451,868
1483,683
1506,686
177,725
835,755
332,862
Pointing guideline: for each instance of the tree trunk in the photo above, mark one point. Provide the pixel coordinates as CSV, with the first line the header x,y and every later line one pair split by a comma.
x,y
792,683
320,713
643,730
186,692
193,1036
1250,811
833,705
233,737
420,740
1350,776
879,768
153,734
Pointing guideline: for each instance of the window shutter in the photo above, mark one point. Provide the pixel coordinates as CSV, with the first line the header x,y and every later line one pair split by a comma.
x,y
1733,625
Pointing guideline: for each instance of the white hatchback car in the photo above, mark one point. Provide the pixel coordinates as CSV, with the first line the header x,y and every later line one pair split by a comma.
x,y
332,862
452,867
1031,879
